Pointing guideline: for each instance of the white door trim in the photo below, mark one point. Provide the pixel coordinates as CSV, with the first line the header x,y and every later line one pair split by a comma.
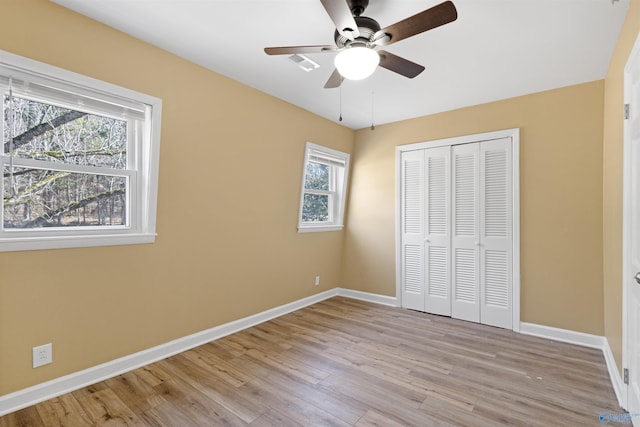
x,y
626,221
514,134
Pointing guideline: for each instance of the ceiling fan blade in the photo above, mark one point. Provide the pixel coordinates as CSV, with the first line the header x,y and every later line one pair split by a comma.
x,y
340,14
284,50
426,20
334,81
399,65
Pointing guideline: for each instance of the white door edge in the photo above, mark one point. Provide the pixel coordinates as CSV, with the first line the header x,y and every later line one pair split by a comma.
x,y
626,223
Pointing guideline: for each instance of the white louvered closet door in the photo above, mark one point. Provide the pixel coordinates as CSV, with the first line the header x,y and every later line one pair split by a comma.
x,y
465,244
412,208
495,233
437,236
457,224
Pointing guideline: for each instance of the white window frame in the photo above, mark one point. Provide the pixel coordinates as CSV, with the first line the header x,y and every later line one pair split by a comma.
x,y
338,178
143,151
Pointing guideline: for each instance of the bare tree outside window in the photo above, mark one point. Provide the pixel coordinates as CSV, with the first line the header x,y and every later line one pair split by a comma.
x,y
50,194
316,206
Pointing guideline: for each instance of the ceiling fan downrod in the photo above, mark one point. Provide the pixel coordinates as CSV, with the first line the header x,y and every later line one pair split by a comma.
x,y
357,7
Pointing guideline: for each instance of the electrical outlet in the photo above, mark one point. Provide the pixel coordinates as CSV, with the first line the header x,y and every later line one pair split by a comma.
x,y
42,355
317,280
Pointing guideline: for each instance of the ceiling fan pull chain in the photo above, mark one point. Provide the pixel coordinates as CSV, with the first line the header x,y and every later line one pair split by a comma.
x,y
340,118
372,103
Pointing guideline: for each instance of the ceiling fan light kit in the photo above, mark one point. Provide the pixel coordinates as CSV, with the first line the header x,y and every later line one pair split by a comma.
x,y
356,38
357,62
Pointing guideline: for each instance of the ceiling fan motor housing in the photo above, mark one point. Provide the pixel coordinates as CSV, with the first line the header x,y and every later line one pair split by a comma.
x,y
367,27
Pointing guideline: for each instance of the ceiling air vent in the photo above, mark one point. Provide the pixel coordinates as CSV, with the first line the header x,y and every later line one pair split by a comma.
x,y
304,63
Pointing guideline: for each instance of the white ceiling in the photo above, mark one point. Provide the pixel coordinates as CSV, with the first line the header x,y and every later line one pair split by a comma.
x,y
496,49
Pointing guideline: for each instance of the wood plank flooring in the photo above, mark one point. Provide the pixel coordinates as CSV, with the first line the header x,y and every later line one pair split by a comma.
x,y
344,362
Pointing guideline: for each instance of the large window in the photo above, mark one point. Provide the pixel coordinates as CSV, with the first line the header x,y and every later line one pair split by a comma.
x,y
324,184
79,159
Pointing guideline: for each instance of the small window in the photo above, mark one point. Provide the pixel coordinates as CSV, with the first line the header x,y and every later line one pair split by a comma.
x,y
324,184
79,159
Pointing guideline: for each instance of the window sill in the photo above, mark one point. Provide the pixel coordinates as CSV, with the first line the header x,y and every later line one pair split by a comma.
x,y
317,228
40,243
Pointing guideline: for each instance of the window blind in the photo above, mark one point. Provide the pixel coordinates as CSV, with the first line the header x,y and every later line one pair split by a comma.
x,y
326,158
68,95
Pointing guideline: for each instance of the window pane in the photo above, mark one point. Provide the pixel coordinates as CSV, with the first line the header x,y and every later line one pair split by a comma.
x,y
42,198
316,176
46,132
315,208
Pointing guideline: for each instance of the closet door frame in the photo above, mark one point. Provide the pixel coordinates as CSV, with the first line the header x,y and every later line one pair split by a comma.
x,y
514,135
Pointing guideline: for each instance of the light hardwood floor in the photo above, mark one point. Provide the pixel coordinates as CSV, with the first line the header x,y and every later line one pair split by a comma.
x,y
344,362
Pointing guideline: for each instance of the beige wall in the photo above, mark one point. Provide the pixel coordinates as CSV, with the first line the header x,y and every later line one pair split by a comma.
x,y
227,245
612,181
561,200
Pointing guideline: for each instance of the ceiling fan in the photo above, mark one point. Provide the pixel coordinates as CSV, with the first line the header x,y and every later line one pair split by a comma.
x,y
357,36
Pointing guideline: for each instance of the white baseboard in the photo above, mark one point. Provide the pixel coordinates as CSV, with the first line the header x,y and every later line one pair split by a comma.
x,y
56,387
614,374
564,335
366,296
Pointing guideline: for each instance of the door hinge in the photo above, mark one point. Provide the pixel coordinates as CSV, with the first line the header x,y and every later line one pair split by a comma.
x,y
625,373
626,111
